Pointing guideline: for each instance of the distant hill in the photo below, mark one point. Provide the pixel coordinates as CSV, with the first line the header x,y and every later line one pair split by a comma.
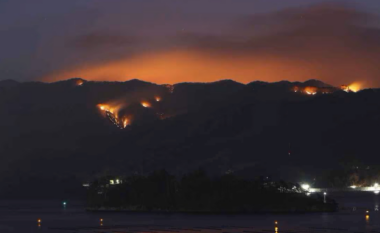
x,y
52,132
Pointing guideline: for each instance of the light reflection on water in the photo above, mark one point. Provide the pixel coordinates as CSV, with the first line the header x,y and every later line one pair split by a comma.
x,y
22,217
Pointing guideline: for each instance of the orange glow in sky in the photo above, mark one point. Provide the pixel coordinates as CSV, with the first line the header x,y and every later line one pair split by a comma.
x,y
183,66
194,66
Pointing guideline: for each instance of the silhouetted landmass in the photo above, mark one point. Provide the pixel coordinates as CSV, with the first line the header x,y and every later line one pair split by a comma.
x,y
197,193
55,131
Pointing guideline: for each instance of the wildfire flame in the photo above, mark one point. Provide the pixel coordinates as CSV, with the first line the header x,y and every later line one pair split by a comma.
x,y
145,104
104,107
125,123
79,83
311,90
355,87
107,108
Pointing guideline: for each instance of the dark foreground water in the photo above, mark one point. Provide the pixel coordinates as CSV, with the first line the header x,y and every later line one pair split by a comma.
x,y
22,216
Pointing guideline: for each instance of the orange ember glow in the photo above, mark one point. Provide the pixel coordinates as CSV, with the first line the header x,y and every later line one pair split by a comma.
x,y
79,83
145,104
125,123
106,108
355,87
200,66
311,90
103,107
158,99
111,113
345,88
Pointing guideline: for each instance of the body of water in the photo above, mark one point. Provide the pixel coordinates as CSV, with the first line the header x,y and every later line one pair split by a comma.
x,y
22,217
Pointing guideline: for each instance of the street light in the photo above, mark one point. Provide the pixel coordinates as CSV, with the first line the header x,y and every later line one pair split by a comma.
x,y
324,197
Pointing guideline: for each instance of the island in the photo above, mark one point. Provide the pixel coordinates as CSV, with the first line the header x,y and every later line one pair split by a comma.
x,y
195,192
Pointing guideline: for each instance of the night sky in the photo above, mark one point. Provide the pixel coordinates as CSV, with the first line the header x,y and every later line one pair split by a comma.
x,y
169,41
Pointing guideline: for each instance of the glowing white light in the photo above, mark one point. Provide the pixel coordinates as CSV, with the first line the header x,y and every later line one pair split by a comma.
x,y
353,186
305,186
376,192
376,185
325,193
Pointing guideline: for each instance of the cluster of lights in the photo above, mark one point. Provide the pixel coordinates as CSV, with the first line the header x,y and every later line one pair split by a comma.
x,y
375,188
116,181
306,188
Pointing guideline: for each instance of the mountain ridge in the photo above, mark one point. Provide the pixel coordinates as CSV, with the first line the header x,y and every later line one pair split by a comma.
x,y
219,126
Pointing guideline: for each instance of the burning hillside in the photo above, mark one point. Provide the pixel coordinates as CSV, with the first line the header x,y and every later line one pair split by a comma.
x,y
113,117
310,90
146,105
354,87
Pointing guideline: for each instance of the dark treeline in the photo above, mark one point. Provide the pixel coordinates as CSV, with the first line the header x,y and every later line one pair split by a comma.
x,y
196,192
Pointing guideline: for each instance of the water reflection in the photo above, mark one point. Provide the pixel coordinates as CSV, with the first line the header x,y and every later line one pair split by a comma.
x,y
22,220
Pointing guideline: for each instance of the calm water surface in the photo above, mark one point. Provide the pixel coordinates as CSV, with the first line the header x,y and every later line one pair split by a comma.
x,y
21,217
